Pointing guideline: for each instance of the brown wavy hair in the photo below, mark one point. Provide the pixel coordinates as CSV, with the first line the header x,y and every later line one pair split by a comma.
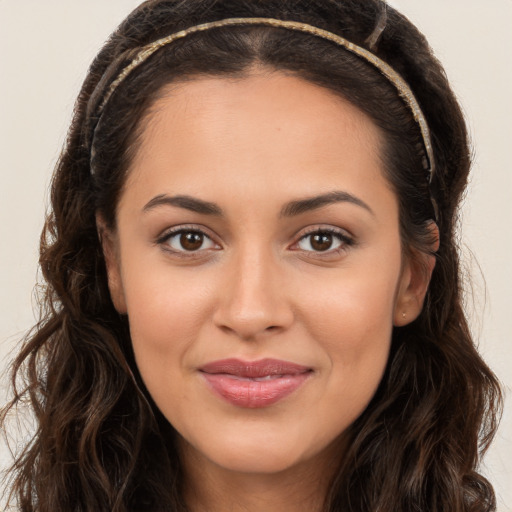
x,y
101,444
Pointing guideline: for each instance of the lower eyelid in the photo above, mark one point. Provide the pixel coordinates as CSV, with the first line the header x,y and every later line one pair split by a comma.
x,y
205,241
338,238
167,236
343,237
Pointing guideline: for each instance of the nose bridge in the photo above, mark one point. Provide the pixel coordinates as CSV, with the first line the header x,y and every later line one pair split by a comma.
x,y
254,300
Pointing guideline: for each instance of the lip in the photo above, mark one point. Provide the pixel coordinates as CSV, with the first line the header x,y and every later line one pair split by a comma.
x,y
254,384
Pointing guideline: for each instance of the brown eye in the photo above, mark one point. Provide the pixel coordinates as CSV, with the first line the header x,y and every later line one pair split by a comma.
x,y
321,241
191,241
188,241
324,241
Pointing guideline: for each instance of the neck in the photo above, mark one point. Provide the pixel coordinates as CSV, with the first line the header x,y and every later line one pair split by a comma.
x,y
301,488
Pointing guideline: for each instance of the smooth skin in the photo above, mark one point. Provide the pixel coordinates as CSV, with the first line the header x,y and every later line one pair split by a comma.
x,y
219,253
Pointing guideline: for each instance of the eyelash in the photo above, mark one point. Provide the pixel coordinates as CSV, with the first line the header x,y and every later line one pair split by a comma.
x,y
345,241
168,235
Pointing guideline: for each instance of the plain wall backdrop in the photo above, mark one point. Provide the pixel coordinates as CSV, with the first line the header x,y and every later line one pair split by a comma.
x,y
47,46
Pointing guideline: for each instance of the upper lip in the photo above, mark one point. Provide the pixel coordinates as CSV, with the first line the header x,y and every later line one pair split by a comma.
x,y
254,369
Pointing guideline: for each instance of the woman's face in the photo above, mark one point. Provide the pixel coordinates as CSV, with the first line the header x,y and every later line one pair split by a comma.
x,y
257,256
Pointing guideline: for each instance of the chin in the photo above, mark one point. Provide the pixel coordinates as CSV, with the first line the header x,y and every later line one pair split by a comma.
x,y
256,458
263,449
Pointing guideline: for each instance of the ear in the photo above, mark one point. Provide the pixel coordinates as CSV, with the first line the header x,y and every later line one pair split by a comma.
x,y
110,246
414,281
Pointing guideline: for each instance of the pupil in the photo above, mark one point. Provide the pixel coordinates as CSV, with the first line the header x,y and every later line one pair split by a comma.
x,y
191,241
321,242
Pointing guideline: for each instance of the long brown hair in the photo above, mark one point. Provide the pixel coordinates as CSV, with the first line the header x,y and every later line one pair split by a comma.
x,y
101,444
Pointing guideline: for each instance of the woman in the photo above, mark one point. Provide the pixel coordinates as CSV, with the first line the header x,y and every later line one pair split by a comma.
x,y
253,295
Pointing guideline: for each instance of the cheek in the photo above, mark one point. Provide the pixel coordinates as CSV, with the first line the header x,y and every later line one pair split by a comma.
x,y
166,311
352,321
353,309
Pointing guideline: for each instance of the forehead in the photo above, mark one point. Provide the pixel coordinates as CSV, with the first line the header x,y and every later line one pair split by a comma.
x,y
269,130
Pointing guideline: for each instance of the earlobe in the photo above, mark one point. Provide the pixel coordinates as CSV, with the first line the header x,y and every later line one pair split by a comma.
x,y
414,283
110,249
412,290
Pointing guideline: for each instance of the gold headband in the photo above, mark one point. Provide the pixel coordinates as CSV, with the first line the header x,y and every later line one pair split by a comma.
x,y
400,84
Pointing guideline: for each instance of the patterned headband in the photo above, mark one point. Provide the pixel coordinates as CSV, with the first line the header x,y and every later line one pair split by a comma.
x,y
385,69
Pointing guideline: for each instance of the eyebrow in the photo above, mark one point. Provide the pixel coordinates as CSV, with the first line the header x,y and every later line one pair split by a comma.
x,y
313,203
291,209
187,202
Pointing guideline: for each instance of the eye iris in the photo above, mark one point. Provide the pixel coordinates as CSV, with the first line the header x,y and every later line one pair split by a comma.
x,y
191,241
321,241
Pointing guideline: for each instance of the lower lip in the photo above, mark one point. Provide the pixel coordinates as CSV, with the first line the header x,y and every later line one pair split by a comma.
x,y
251,393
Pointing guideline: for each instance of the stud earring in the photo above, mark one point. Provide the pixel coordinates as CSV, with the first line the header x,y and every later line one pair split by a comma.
x,y
403,315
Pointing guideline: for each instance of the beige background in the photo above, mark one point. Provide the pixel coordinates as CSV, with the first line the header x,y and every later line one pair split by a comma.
x,y
46,46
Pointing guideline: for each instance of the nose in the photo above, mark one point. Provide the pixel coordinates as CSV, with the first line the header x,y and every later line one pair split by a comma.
x,y
254,299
